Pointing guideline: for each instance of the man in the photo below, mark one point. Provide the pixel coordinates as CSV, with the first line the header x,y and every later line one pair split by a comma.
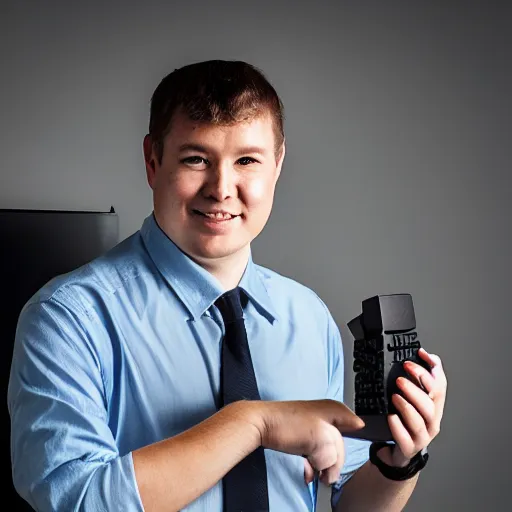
x,y
173,373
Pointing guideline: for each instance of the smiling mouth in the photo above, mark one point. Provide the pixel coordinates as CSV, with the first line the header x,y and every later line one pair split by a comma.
x,y
216,216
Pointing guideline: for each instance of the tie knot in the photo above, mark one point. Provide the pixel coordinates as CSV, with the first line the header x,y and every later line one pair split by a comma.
x,y
230,306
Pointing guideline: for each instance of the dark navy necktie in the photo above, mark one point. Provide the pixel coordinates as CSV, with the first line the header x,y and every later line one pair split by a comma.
x,y
245,487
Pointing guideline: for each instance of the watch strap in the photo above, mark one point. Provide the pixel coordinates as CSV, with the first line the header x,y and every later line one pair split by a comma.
x,y
416,464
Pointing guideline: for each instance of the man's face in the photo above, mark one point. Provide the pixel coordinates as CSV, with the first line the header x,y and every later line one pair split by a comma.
x,y
214,188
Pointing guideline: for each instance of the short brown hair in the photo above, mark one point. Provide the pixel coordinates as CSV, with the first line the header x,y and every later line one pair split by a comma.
x,y
215,91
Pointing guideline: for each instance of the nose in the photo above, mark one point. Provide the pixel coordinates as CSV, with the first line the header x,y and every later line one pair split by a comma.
x,y
221,182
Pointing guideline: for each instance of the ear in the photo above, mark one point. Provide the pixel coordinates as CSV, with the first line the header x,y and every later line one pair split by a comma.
x,y
150,160
280,159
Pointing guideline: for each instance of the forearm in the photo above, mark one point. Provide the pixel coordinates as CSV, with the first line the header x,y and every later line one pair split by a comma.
x,y
174,472
368,489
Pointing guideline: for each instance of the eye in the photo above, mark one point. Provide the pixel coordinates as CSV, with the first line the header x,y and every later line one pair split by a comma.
x,y
194,160
247,160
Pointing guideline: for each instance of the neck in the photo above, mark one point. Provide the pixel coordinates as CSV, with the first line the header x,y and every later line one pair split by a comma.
x,y
228,270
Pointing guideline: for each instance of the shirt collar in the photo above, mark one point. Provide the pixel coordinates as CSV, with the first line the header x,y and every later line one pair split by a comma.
x,y
195,286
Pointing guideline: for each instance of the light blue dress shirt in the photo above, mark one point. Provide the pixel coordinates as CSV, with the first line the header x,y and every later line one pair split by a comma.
x,y
125,351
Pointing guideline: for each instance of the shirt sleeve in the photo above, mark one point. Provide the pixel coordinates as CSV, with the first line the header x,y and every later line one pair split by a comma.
x,y
356,450
64,456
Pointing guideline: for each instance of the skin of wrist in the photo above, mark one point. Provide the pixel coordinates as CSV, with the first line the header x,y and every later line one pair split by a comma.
x,y
250,412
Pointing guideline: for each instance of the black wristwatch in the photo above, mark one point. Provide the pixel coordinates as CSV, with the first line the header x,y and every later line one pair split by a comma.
x,y
416,464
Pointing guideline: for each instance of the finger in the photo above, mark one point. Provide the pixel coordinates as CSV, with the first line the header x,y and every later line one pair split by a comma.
x,y
309,472
436,394
434,361
420,401
343,418
323,457
329,476
327,451
423,377
426,356
401,435
435,381
332,474
412,421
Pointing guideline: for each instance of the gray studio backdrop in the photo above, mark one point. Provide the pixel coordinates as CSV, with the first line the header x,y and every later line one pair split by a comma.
x,y
397,176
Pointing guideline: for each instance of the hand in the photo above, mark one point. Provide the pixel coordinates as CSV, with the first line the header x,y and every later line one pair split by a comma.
x,y
312,429
420,409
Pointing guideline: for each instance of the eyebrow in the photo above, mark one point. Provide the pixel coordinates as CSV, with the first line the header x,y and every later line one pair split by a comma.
x,y
205,149
193,147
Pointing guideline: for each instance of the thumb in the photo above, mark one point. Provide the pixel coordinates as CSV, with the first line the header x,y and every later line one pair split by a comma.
x,y
345,420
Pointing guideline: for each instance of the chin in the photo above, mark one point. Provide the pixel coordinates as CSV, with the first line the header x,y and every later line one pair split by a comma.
x,y
215,250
